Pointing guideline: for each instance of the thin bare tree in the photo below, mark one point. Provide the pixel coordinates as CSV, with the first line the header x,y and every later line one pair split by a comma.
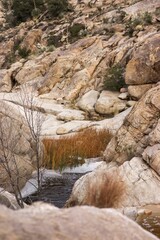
x,y
34,119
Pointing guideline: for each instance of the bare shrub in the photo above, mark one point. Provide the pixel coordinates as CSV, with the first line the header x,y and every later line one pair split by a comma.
x,y
34,120
107,192
71,150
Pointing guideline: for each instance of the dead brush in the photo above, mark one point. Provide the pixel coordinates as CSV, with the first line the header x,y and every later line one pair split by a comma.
x,y
71,150
105,191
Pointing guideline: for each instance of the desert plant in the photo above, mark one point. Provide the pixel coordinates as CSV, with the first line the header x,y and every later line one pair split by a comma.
x,y
75,29
55,7
105,191
114,78
23,52
147,18
141,19
71,150
22,10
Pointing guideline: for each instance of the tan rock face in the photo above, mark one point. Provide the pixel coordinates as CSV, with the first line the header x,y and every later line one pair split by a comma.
x,y
152,156
109,103
58,224
132,138
142,7
137,91
16,147
144,67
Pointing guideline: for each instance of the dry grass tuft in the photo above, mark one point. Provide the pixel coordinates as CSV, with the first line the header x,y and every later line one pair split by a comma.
x,y
107,192
71,150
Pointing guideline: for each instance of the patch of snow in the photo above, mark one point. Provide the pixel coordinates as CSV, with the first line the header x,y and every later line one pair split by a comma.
x,y
30,187
86,167
45,174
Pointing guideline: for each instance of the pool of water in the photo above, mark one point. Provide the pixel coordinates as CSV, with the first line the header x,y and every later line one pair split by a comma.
x,y
56,192
152,223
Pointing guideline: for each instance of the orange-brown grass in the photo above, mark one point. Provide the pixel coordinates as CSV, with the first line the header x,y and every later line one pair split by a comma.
x,y
71,150
107,192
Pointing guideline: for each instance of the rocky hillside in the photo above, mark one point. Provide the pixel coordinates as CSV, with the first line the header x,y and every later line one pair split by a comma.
x,y
91,63
65,58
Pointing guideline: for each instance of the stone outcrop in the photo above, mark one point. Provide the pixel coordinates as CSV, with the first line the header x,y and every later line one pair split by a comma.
x,y
135,133
108,103
16,147
137,91
144,68
58,224
88,101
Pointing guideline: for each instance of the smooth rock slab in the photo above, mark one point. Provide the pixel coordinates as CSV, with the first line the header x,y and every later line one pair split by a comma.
x,y
88,101
73,126
74,223
69,115
109,103
137,91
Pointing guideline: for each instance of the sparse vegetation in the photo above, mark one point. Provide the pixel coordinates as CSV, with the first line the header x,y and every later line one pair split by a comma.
x,y
141,19
23,52
147,18
22,10
55,7
76,29
106,191
71,150
114,78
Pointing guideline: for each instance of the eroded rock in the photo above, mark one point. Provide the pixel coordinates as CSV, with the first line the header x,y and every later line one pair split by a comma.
x,y
144,67
133,136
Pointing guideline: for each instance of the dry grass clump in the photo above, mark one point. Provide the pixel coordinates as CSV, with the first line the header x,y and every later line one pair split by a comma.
x,y
107,192
71,150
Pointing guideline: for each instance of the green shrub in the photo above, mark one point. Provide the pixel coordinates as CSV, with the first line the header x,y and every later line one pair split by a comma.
x,y
147,18
114,78
55,7
75,29
141,19
23,52
54,40
23,10
131,25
